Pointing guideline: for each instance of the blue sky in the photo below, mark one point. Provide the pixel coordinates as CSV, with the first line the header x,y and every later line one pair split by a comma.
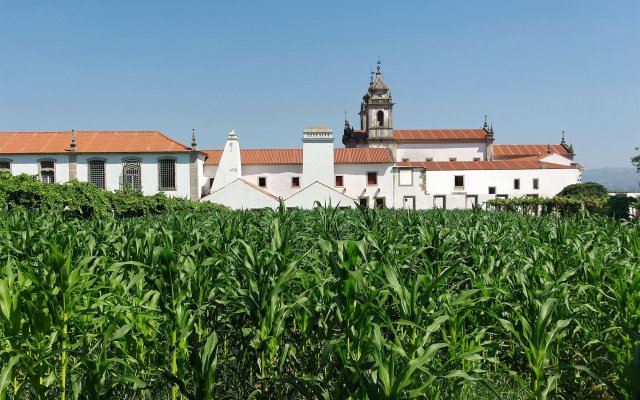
x,y
269,69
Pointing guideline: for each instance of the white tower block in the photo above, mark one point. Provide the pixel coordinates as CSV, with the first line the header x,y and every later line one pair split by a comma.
x,y
229,167
317,155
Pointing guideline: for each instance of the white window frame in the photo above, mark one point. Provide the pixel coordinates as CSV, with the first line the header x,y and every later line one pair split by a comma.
x,y
372,184
47,169
335,181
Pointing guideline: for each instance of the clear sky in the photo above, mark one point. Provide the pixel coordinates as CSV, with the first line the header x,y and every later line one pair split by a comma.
x,y
271,68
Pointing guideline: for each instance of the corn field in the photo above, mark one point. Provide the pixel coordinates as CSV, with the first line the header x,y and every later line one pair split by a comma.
x,y
322,304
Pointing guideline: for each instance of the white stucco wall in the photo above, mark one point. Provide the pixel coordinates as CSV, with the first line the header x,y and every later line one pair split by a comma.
x,y
307,197
355,181
148,171
278,177
440,151
239,195
28,164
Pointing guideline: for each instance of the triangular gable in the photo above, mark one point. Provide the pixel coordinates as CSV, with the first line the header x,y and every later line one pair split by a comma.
x,y
306,197
241,194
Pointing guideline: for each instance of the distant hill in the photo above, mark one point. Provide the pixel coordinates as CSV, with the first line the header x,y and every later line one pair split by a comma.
x,y
614,179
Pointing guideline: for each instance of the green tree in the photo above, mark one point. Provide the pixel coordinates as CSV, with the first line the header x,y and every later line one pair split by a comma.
x,y
586,189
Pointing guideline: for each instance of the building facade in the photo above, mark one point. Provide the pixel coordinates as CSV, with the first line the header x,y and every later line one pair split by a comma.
x,y
380,166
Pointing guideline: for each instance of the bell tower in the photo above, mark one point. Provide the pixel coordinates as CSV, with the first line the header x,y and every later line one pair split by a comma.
x,y
376,111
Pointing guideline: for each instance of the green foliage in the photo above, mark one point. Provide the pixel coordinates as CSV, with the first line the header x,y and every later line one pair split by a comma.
x,y
321,304
584,190
83,199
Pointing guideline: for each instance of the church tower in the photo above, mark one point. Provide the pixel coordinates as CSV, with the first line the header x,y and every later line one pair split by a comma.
x,y
376,116
376,111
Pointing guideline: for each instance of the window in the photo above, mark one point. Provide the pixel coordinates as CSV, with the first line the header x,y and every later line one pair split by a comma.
x,y
379,202
502,196
131,174
453,159
405,177
262,181
167,174
211,182
492,190
96,173
516,184
339,181
405,160
5,166
380,118
364,202
372,178
476,158
535,183
295,181
458,182
440,202
429,159
47,171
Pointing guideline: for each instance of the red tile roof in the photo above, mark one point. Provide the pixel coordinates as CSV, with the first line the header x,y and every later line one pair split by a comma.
x,y
519,150
294,156
482,165
441,135
89,142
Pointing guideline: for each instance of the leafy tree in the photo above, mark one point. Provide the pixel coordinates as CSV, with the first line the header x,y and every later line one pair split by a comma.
x,y
636,161
586,189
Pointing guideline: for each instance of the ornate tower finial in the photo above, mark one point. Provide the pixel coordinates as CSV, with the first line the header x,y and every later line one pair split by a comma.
x,y
194,144
485,122
73,140
562,141
371,74
379,63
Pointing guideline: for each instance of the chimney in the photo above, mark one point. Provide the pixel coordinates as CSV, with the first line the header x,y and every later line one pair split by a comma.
x,y
73,140
229,166
317,155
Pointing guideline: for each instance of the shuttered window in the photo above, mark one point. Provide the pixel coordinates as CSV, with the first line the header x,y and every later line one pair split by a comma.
x,y
96,173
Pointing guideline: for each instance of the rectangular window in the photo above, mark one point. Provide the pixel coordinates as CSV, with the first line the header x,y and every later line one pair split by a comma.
x,y
502,196
535,183
47,172
453,159
262,181
405,160
428,159
458,182
405,177
379,202
339,181
516,184
372,178
96,173
5,166
166,174
364,202
492,190
295,181
476,159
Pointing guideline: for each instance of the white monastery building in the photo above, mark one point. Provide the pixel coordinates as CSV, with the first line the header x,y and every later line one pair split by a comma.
x,y
379,167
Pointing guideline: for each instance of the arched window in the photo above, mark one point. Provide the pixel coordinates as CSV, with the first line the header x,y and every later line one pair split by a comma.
x,y
166,174
47,169
380,118
96,173
131,174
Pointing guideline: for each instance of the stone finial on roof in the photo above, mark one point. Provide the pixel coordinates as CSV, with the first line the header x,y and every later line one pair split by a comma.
x,y
232,135
562,141
73,140
194,144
